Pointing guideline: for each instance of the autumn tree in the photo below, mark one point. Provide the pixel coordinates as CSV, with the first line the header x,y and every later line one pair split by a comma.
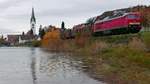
x,y
2,40
52,39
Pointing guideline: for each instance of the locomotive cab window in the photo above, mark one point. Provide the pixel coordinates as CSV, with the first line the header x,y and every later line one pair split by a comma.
x,y
133,17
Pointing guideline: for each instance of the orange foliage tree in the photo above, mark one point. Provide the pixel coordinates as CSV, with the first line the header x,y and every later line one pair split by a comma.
x,y
52,39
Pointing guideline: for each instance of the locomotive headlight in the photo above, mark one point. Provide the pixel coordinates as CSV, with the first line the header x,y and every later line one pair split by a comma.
x,y
134,23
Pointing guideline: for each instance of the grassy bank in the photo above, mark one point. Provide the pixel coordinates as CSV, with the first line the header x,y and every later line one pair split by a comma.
x,y
120,59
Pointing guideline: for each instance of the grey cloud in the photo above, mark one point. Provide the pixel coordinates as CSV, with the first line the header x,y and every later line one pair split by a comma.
x,y
77,8
6,31
9,3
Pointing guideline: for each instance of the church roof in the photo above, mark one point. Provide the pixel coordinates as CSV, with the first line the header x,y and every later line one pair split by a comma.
x,y
33,19
27,37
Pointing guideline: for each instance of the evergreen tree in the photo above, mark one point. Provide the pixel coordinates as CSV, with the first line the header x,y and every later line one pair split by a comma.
x,y
41,32
23,33
63,25
31,32
40,29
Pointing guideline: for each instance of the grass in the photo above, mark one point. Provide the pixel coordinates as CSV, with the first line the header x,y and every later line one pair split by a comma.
x,y
120,59
146,38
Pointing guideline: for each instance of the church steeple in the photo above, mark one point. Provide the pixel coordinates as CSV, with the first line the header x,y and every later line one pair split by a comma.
x,y
33,16
33,22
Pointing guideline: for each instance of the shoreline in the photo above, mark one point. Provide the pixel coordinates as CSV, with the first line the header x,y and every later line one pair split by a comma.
x,y
118,59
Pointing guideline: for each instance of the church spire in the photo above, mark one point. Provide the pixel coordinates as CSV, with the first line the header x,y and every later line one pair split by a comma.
x,y
33,22
33,16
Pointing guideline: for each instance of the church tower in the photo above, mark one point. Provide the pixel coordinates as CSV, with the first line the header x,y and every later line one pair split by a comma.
x,y
33,22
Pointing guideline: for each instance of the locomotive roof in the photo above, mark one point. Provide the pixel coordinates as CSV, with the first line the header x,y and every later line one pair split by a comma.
x,y
116,16
109,15
91,20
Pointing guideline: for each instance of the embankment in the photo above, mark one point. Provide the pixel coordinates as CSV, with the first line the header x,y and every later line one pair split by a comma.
x,y
119,59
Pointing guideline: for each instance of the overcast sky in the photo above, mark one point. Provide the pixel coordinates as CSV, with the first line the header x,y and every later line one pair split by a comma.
x,y
15,14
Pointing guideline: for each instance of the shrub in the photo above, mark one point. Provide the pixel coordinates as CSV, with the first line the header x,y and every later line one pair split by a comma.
x,y
146,39
36,43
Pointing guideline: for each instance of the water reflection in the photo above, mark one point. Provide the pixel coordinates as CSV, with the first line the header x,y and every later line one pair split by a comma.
x,y
58,63
33,65
62,69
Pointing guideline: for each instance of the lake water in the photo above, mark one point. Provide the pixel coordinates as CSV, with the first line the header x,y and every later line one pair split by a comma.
x,y
35,66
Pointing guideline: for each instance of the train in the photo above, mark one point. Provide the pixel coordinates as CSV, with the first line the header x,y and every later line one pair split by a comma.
x,y
117,23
